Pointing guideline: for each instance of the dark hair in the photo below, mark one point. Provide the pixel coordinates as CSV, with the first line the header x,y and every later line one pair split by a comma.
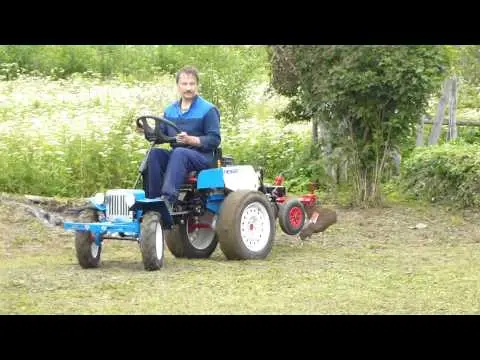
x,y
188,70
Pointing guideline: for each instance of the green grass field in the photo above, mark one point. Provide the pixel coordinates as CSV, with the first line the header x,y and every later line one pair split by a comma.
x,y
370,262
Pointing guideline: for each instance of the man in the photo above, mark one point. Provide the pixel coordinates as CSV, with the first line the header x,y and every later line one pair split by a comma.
x,y
199,121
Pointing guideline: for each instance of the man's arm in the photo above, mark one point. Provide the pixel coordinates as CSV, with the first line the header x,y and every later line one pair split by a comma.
x,y
211,139
211,125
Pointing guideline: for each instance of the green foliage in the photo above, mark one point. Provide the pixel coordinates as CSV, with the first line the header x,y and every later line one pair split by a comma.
x,y
278,151
76,136
275,151
227,73
468,97
449,172
368,98
72,164
73,138
464,63
468,58
469,135
284,75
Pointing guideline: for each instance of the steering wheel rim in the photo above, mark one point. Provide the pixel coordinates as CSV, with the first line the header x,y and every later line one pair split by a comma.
x,y
156,135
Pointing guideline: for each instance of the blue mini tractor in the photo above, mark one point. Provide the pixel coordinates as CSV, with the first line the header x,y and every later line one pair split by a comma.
x,y
226,204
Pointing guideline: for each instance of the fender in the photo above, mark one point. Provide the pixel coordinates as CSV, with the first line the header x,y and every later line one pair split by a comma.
x,y
238,177
157,205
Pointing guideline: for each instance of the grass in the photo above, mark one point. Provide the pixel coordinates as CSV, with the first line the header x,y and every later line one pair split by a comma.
x,y
370,262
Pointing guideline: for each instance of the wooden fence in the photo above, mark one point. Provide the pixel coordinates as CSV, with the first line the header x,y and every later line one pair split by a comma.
x,y
449,96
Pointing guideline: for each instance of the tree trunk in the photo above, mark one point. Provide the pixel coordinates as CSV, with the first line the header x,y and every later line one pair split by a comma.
x,y
452,123
315,130
420,128
437,125
367,187
332,169
396,160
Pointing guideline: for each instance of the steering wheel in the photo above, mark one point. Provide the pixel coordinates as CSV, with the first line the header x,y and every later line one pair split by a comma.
x,y
156,134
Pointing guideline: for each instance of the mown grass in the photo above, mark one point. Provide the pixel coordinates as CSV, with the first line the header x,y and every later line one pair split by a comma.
x,y
370,262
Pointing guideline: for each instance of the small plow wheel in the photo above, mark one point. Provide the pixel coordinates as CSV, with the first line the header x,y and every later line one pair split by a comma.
x,y
292,216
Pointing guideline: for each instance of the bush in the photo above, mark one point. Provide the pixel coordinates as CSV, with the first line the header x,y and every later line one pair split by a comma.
x,y
279,151
264,148
446,173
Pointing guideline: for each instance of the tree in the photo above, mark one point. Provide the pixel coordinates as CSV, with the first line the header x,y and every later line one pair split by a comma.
x,y
367,98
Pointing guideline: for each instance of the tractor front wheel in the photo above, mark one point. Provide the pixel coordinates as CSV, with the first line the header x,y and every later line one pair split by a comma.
x,y
87,250
151,241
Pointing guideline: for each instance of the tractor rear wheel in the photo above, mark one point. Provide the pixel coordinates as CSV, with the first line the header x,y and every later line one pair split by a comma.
x,y
195,239
246,226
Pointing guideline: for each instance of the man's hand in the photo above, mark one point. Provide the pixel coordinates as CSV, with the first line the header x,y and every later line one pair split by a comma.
x,y
184,138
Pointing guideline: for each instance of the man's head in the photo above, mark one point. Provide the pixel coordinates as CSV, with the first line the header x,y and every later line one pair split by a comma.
x,y
187,82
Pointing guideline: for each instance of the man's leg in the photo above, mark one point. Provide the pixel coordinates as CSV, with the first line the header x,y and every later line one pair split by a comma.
x,y
182,161
156,166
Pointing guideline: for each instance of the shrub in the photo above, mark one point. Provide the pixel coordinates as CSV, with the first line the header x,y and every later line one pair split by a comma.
x,y
448,173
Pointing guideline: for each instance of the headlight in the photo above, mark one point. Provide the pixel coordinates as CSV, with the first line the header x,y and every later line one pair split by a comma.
x,y
130,199
99,198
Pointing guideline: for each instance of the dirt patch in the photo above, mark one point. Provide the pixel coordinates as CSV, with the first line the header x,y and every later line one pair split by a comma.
x,y
24,218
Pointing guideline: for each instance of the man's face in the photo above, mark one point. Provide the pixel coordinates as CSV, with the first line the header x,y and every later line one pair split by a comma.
x,y
187,86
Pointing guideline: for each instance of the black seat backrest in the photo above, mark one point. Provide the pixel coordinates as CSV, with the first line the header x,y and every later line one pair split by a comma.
x,y
217,158
220,160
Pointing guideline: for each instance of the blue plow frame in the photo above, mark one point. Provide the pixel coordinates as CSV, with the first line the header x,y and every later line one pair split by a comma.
x,y
101,228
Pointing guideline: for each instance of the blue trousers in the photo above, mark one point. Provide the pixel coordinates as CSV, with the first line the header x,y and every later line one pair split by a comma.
x,y
167,170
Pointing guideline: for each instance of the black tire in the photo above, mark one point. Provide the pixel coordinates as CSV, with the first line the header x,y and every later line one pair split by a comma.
x,y
292,216
87,251
183,245
275,209
151,241
230,225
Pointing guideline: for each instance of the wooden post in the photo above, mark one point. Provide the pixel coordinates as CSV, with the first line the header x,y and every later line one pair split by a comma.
x,y
437,124
420,127
452,123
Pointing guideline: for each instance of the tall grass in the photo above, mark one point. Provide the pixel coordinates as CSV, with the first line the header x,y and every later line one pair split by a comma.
x,y
135,61
227,73
76,136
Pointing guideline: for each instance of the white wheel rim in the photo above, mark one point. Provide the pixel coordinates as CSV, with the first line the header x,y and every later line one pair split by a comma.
x,y
159,241
201,238
94,249
255,227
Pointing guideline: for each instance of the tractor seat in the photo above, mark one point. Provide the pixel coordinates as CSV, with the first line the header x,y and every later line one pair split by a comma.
x,y
191,177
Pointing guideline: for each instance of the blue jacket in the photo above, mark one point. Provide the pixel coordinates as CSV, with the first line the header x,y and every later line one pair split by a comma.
x,y
202,120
